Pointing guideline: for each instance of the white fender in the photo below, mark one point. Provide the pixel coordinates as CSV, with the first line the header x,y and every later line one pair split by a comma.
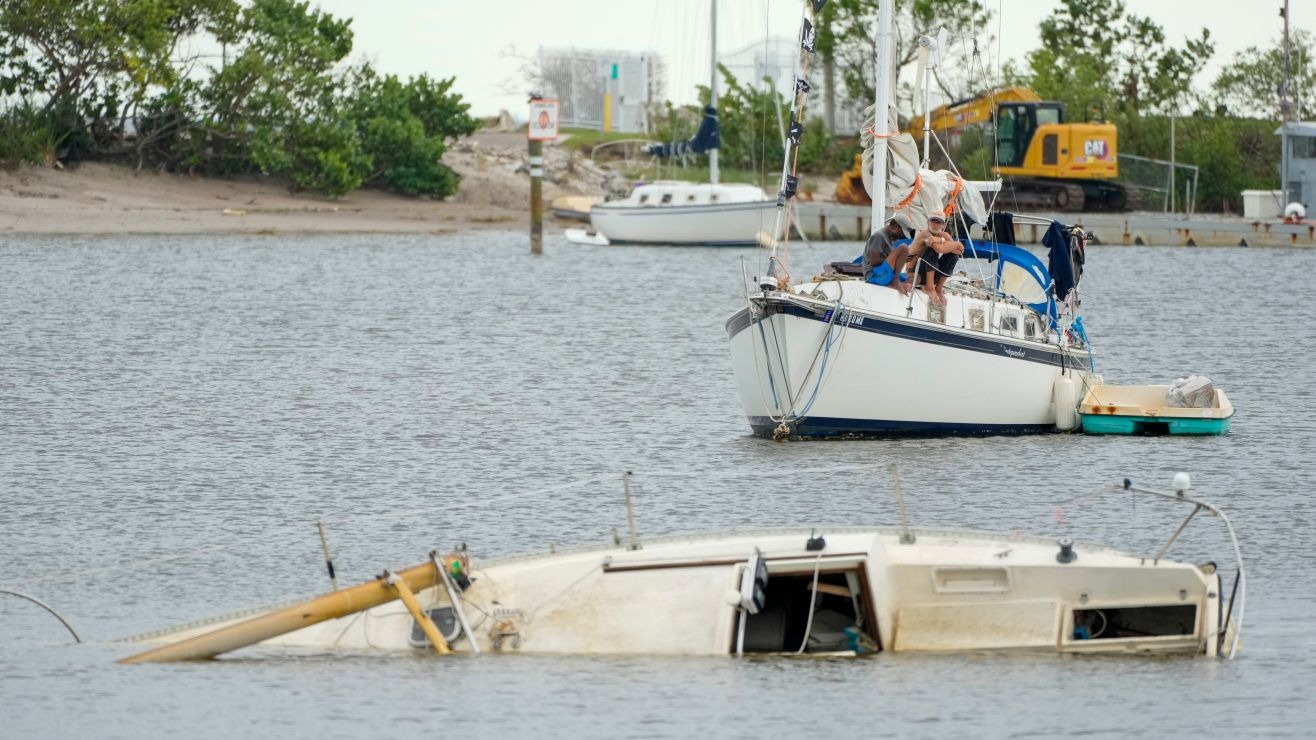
x,y
1065,395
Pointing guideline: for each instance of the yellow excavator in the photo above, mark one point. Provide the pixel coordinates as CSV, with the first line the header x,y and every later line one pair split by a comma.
x,y
1046,162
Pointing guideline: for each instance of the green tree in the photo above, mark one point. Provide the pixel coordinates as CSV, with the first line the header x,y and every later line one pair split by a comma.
x,y
1094,51
404,128
275,103
747,120
1249,85
846,41
83,64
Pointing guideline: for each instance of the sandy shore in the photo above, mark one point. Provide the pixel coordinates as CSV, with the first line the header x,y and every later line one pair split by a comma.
x,y
95,198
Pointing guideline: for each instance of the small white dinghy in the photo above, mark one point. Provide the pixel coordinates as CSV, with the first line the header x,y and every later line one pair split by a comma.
x,y
587,237
1155,409
852,590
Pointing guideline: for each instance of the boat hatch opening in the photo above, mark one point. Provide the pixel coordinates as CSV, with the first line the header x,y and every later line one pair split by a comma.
x,y
445,619
840,606
1179,620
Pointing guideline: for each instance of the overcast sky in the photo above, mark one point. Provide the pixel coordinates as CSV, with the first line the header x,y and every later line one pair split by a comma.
x,y
474,40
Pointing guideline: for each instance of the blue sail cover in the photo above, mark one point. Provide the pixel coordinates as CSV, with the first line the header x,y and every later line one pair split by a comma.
x,y
709,136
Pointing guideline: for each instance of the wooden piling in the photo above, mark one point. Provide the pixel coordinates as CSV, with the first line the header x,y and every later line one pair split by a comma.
x,y
536,196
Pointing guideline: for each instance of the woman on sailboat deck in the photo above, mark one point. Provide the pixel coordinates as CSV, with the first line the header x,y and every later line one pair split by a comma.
x,y
883,263
937,254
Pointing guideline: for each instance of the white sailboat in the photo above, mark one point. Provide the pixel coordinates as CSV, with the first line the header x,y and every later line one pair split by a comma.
x,y
685,213
834,590
833,355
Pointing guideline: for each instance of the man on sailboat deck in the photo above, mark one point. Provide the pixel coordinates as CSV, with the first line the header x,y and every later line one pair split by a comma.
x,y
937,254
882,263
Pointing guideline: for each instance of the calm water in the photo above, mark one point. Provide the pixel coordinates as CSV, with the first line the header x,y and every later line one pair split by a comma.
x,y
176,413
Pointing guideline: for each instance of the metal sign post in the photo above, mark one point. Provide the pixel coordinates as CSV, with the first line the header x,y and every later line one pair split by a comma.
x,y
542,127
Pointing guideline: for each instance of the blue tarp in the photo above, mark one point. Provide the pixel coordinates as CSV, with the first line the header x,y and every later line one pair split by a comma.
x,y
709,136
1059,260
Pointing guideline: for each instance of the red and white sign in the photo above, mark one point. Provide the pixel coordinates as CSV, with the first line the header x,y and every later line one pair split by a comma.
x,y
543,120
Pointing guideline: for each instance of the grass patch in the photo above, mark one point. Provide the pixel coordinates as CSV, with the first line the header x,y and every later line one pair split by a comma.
x,y
584,140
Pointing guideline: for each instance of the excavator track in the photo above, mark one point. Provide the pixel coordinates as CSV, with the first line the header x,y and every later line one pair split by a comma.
x,y
1051,195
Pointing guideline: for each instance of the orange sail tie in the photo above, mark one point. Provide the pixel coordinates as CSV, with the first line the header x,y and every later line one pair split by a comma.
x,y
954,193
918,183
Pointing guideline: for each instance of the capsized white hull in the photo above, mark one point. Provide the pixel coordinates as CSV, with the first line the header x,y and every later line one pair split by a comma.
x,y
949,590
882,367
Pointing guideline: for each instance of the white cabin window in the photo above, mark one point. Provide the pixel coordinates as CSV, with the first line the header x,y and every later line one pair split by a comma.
x,y
712,198
977,319
1030,327
667,198
644,199
690,198
1010,324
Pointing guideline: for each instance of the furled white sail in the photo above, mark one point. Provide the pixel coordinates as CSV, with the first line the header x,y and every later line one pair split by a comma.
x,y
912,192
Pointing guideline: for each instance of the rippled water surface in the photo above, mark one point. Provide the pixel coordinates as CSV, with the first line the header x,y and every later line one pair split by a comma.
x,y
176,414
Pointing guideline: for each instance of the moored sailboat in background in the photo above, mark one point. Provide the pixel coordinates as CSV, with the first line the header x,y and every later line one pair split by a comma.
x,y
834,355
678,212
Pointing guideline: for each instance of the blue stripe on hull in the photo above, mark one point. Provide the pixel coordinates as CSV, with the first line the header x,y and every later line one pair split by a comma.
x,y
822,427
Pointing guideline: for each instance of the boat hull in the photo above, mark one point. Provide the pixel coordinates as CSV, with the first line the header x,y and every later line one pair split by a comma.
x,y
952,590
727,224
1106,424
884,375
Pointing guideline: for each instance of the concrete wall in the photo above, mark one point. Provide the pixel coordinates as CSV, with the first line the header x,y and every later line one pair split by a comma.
x,y
833,221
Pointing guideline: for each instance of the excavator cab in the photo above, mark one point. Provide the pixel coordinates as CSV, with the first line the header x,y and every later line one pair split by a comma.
x,y
1016,123
1054,164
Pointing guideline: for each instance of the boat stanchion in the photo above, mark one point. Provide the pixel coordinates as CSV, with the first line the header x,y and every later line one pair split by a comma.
x,y
634,543
328,559
906,536
426,624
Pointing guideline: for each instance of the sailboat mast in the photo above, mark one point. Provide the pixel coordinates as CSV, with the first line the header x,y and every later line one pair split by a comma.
x,y
712,82
1284,117
881,119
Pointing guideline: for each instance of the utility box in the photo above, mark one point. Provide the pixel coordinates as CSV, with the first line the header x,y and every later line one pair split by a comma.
x,y
1263,204
1298,139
